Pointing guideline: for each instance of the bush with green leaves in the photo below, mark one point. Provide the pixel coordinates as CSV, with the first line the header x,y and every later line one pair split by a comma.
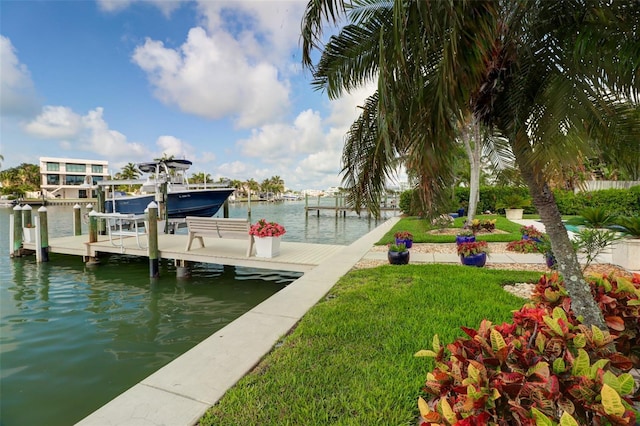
x,y
593,217
617,202
618,299
540,370
630,225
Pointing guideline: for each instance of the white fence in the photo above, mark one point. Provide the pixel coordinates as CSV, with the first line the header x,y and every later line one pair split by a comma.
x,y
596,185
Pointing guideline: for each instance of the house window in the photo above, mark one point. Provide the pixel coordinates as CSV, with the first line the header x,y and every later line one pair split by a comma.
x,y
53,167
97,179
73,180
81,168
53,179
96,168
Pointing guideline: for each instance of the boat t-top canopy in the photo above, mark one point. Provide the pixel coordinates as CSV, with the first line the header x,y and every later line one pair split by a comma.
x,y
151,167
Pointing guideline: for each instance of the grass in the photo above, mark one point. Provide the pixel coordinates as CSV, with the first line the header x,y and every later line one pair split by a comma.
x,y
350,359
420,227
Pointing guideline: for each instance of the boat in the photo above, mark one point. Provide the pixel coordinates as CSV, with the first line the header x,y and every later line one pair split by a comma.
x,y
182,199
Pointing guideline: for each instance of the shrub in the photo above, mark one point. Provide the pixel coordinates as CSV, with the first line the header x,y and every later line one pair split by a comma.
x,y
471,248
540,370
523,246
593,217
530,231
618,299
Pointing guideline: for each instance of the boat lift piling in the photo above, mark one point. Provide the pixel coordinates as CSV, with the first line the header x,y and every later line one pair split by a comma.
x,y
154,264
93,235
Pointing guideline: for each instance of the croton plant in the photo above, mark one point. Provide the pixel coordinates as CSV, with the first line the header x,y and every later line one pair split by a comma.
x,y
545,368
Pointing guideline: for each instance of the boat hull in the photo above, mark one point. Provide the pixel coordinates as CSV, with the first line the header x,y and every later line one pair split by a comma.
x,y
202,203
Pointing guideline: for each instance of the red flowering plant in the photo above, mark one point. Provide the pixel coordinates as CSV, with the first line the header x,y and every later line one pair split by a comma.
x,y
262,229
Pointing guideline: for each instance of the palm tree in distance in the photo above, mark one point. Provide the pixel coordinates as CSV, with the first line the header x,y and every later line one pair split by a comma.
x,y
546,76
129,172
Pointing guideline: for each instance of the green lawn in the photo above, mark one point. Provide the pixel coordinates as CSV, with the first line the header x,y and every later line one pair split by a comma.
x,y
420,227
350,359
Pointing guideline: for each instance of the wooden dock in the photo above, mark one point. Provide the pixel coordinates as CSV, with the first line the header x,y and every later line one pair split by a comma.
x,y
297,257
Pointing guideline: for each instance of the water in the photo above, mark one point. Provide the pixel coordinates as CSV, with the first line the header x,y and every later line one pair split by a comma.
x,y
74,337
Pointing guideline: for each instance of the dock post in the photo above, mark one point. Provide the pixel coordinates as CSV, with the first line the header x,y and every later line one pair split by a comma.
x,y
183,270
27,219
306,205
249,206
77,222
102,228
42,236
154,266
93,234
337,205
225,209
16,249
93,225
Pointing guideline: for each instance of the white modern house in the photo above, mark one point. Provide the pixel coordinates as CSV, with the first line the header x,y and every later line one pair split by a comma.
x,y
64,178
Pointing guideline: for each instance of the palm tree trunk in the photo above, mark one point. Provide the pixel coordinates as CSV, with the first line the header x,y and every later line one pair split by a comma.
x,y
582,301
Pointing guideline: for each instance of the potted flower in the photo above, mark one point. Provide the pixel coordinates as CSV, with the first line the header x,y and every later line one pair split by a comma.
x,y
465,236
398,254
530,233
626,251
513,206
404,237
473,253
267,237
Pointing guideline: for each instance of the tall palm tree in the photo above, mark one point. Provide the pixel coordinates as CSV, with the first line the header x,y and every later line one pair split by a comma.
x,y
130,171
546,76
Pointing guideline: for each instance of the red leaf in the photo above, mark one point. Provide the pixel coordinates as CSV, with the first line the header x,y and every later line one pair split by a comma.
x,y
615,323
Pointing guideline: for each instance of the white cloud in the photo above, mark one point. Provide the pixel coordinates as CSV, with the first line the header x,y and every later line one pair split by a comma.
x,y
165,6
210,76
98,138
170,145
268,30
55,122
17,92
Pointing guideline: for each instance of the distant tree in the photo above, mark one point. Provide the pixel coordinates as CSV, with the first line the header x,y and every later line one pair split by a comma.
x,y
130,171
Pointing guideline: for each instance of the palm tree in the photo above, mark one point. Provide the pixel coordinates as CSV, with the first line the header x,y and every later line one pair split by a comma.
x,y
130,171
546,76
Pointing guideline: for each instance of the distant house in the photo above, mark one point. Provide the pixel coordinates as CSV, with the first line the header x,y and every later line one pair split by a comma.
x,y
71,177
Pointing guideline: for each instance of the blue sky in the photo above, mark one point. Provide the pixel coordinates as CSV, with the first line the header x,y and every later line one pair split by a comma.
x,y
217,82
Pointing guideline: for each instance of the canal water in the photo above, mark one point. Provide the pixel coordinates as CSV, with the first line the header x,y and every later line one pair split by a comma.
x,y
73,337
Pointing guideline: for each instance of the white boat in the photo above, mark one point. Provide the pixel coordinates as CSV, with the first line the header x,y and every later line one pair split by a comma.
x,y
181,200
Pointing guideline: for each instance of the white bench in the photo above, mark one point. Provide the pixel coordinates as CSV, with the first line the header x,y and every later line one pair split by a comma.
x,y
218,228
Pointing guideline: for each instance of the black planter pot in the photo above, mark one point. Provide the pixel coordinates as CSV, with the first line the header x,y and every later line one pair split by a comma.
x,y
398,258
478,260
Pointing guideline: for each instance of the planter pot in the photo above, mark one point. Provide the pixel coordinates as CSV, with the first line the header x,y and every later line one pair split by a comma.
x,y
29,235
526,237
465,239
267,246
478,260
550,261
514,214
407,243
398,258
626,253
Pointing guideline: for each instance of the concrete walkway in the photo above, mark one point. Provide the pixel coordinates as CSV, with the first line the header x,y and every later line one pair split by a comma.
x,y
179,393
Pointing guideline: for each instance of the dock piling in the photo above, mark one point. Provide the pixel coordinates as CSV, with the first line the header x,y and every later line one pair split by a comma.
x,y
27,219
93,234
154,264
42,235
77,222
16,248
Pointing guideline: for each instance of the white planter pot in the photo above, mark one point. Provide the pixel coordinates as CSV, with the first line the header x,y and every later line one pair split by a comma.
x,y
267,246
514,214
626,253
29,235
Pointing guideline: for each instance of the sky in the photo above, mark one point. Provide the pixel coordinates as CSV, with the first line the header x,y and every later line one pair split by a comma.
x,y
219,83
